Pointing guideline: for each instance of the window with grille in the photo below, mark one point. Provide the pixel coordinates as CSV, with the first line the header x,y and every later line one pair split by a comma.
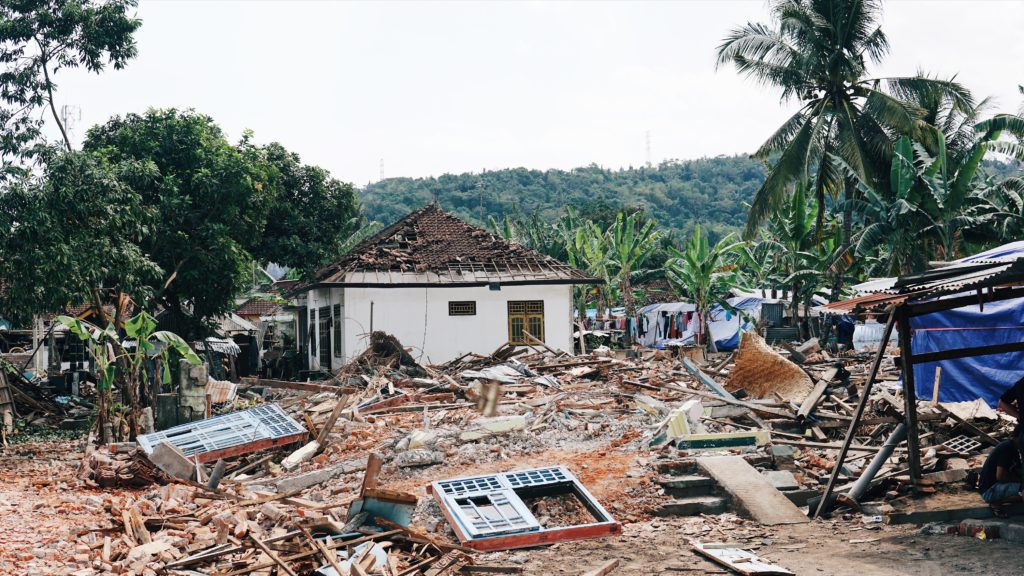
x,y
337,330
525,316
462,308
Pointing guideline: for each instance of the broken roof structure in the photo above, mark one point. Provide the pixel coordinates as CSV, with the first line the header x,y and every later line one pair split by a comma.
x,y
431,247
967,318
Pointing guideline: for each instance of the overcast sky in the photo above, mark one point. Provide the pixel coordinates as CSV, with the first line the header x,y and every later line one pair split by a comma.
x,y
434,88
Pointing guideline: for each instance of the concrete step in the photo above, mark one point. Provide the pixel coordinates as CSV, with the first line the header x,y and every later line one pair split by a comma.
x,y
688,485
693,506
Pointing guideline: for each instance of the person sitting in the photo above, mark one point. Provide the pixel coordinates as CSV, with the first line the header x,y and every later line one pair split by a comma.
x,y
1012,401
1000,479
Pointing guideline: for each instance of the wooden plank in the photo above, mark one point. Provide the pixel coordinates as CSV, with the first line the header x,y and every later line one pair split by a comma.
x,y
741,561
331,420
273,556
815,396
926,357
603,569
751,490
748,405
706,380
300,386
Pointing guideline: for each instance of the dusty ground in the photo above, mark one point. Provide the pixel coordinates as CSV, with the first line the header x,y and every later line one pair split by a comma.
x,y
43,510
660,547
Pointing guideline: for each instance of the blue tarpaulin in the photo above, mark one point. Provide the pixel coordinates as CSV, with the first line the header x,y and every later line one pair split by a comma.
x,y
966,379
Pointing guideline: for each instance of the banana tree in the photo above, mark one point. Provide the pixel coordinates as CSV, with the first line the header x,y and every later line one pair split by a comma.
x,y
704,273
124,362
630,242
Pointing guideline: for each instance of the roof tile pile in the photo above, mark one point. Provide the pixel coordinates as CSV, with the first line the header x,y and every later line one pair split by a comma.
x,y
447,250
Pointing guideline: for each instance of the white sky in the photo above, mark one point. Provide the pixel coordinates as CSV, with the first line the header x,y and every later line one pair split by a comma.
x,y
434,88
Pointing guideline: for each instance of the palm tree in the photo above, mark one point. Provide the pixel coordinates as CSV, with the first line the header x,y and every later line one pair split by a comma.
x,y
817,51
705,274
803,255
630,243
896,221
1004,204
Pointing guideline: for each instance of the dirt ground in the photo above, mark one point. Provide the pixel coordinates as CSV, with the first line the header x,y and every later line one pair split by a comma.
x,y
43,510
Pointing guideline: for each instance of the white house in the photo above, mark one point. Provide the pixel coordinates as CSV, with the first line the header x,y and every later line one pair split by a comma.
x,y
442,287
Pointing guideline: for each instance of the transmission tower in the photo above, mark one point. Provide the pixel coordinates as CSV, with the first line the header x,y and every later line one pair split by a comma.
x,y
648,139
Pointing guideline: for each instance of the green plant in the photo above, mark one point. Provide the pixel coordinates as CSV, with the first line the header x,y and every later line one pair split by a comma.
x,y
124,361
704,273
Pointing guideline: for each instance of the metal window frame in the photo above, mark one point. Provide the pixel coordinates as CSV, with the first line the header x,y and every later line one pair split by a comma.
x,y
231,434
462,307
525,531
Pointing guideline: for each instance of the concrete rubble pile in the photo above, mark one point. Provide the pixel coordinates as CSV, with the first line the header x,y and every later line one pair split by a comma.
x,y
642,434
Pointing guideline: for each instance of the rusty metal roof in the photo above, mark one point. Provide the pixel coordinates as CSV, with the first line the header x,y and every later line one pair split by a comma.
x,y
968,275
432,247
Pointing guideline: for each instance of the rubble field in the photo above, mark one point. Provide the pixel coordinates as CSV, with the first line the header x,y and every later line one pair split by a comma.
x,y
643,439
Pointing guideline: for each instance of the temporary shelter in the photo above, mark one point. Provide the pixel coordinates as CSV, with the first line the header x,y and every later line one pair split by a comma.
x,y
967,317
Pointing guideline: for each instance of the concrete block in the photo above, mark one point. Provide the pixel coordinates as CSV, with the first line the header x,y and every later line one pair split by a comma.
x,y
172,461
782,479
486,427
304,454
649,404
693,506
303,481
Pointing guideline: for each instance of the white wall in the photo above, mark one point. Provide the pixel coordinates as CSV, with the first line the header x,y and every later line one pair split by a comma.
x,y
315,299
403,312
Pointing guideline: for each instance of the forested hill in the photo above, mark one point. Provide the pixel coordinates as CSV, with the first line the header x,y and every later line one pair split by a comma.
x,y
678,194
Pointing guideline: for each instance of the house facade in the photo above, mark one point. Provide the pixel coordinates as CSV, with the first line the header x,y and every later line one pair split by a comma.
x,y
444,288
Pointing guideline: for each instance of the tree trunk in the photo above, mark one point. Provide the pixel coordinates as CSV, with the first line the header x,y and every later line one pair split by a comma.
x,y
630,306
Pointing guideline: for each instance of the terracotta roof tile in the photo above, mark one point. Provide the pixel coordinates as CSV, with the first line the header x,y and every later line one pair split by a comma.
x,y
430,242
258,307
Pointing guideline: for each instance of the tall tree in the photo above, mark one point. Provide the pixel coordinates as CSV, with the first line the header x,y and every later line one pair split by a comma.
x,y
38,38
817,52
212,201
72,235
312,215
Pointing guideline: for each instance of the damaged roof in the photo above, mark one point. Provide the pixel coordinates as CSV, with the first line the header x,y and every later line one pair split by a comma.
x,y
431,247
258,307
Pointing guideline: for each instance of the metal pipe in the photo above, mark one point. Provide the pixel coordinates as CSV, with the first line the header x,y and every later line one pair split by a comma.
x,y
863,483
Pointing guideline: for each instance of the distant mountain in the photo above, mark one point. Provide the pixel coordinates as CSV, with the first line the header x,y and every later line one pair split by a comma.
x,y
678,194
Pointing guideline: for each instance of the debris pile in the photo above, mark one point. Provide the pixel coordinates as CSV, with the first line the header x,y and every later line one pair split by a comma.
x,y
395,468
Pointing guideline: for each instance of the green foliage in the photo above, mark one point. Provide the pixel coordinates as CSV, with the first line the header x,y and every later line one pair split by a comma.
x,y
703,273
311,217
630,244
73,232
709,191
817,52
38,38
124,362
212,200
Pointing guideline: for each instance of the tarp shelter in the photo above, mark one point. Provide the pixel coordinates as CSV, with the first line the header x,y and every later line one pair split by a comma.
x,y
725,323
965,317
965,379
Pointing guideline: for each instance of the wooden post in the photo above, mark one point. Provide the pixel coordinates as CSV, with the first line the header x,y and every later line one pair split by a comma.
x,y
321,438
909,396
935,388
857,414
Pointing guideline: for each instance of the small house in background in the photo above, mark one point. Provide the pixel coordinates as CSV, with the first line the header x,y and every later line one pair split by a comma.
x,y
444,288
